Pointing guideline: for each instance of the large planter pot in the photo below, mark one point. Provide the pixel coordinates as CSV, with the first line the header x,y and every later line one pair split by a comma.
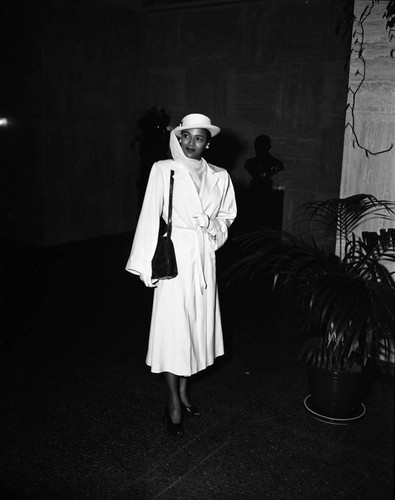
x,y
337,397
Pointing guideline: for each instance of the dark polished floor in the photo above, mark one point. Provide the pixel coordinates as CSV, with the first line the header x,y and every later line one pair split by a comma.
x,y
82,413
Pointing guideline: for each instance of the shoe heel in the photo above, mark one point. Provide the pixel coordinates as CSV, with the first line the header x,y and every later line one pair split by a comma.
x,y
175,430
190,411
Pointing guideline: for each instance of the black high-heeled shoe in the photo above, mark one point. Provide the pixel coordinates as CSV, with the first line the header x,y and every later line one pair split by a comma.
x,y
175,430
191,411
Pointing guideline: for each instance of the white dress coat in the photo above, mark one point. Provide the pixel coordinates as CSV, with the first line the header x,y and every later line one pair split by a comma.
x,y
186,332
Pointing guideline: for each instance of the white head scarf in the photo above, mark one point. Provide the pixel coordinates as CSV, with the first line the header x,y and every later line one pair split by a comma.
x,y
196,168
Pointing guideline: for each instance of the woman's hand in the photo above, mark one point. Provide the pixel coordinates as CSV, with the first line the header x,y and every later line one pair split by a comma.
x,y
202,220
205,223
147,280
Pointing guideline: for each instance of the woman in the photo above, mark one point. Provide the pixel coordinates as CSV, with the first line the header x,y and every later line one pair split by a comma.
x,y
186,333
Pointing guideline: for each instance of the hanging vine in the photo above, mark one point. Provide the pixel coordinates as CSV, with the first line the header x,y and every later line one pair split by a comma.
x,y
358,49
389,14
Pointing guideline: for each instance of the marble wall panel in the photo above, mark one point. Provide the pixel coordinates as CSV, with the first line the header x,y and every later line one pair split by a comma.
x,y
60,219
375,98
162,88
301,30
88,124
63,152
374,116
23,211
331,159
109,35
338,32
300,144
301,175
208,35
93,211
109,207
300,97
302,108
205,89
257,40
253,95
25,215
100,210
255,67
21,143
56,15
293,199
159,46
373,174
62,67
332,94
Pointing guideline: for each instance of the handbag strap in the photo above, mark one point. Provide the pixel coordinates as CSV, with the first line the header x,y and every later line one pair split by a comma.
x,y
170,213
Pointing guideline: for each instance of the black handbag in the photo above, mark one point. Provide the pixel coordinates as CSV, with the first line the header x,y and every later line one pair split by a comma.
x,y
164,264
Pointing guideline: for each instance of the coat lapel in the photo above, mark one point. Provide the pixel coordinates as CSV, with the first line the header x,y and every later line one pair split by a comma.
x,y
209,183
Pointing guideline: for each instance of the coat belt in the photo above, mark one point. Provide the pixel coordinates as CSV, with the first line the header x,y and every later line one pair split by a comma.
x,y
200,254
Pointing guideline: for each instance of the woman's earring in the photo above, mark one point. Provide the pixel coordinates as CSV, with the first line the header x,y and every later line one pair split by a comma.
x,y
208,145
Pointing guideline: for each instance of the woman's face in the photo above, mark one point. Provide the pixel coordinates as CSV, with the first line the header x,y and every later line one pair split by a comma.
x,y
193,142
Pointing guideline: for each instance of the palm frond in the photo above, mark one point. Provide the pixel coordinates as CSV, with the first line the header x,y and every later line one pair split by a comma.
x,y
345,215
350,299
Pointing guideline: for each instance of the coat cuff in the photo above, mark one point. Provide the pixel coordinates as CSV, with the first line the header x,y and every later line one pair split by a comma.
x,y
136,265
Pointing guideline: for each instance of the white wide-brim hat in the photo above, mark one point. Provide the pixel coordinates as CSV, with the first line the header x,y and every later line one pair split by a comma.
x,y
196,120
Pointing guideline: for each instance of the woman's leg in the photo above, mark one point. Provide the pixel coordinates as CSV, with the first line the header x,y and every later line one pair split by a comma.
x,y
184,391
174,405
185,398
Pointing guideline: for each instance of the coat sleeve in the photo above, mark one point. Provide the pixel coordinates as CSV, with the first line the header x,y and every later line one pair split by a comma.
x,y
226,214
146,235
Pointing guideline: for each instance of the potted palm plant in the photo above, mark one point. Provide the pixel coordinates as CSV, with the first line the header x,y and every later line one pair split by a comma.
x,y
347,292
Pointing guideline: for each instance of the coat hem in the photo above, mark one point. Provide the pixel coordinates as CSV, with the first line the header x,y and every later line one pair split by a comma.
x,y
184,374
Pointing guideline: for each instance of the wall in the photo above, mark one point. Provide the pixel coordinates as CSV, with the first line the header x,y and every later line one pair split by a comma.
x,y
267,67
92,68
22,212
374,114
68,87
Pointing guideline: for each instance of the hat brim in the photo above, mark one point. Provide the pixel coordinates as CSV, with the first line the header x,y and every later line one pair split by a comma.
x,y
211,128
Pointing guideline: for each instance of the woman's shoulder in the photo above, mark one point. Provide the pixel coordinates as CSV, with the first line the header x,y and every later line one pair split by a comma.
x,y
217,170
163,166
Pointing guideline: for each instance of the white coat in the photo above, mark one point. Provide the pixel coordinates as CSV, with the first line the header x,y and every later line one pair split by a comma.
x,y
186,332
